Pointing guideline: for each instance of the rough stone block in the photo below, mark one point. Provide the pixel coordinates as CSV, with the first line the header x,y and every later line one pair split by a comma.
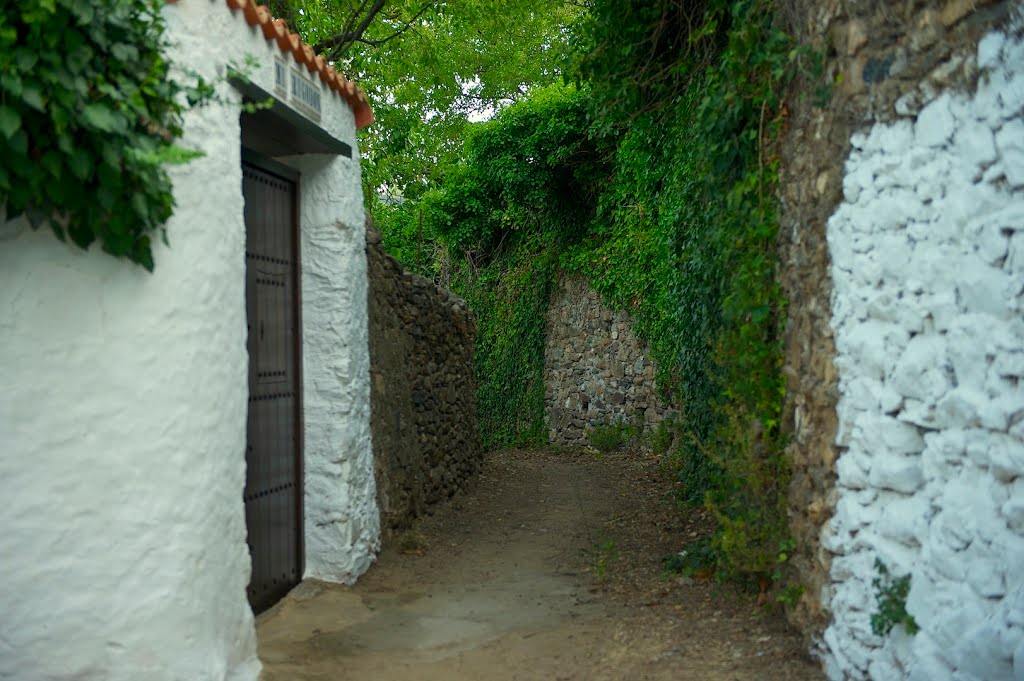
x,y
935,124
985,289
1006,457
904,519
975,143
989,50
1013,509
1012,96
898,473
985,570
894,139
882,436
870,345
852,567
943,560
986,652
961,408
852,469
928,663
918,413
1010,142
918,372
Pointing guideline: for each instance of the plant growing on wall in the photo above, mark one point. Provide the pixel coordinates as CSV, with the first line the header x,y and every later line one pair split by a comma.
x,y
891,598
89,115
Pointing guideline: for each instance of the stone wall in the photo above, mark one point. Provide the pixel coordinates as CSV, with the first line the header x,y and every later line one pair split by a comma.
x,y
928,268
877,53
908,247
596,371
423,392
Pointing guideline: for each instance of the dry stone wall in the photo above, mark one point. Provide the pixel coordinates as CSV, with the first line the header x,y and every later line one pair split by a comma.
x,y
886,59
597,372
423,393
928,311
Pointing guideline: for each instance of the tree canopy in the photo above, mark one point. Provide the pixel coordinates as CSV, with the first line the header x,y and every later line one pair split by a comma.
x,y
431,66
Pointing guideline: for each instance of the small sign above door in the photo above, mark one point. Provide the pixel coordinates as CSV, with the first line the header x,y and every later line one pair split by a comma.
x,y
301,92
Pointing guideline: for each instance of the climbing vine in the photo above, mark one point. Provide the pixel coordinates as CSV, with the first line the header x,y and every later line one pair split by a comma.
x,y
689,226
89,114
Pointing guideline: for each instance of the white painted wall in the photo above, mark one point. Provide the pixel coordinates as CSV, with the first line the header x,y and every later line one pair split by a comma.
x,y
928,272
342,523
123,413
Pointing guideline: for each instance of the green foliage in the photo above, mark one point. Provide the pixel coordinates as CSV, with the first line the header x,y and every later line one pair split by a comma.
x,y
790,594
607,437
655,179
660,440
686,240
605,552
458,60
88,118
509,298
697,559
521,195
891,598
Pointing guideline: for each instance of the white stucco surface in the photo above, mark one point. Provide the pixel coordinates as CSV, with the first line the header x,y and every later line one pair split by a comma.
x,y
928,273
342,522
123,414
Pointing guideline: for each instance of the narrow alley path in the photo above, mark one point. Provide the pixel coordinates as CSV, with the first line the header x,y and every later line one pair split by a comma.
x,y
549,568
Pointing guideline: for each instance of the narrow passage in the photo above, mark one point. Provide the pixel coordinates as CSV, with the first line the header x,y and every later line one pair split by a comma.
x,y
549,567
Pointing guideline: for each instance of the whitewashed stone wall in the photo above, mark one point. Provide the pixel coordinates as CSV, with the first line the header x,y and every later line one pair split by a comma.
x,y
342,522
123,410
928,271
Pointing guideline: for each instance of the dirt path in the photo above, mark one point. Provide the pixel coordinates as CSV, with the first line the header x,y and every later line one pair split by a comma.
x,y
548,569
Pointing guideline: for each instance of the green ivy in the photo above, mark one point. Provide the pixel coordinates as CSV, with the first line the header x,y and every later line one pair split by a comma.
x,y
686,242
88,118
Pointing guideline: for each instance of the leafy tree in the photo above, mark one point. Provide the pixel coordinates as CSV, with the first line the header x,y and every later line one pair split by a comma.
x,y
430,66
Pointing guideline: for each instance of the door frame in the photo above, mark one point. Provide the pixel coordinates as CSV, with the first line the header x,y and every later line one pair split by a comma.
x,y
269,165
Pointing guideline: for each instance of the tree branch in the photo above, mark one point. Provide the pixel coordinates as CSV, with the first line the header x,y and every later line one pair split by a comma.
x,y
335,46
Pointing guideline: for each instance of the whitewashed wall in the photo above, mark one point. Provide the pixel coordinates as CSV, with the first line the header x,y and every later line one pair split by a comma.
x,y
342,522
928,271
123,411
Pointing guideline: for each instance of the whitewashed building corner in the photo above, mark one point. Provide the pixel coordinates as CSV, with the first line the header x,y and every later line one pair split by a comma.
x,y
130,398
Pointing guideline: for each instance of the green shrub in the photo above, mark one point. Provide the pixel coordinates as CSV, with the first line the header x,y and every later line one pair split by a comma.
x,y
607,437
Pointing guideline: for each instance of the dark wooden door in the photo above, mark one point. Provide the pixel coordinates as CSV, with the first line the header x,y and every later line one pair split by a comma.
x,y
273,486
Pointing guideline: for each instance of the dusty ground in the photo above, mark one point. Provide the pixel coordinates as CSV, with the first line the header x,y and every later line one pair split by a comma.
x,y
548,568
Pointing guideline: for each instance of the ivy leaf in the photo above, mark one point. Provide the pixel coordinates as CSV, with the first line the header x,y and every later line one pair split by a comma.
x,y
33,98
124,52
10,121
81,235
102,118
143,253
11,83
26,59
80,164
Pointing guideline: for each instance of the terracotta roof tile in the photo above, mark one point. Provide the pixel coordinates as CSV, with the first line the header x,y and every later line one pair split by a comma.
x,y
277,30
